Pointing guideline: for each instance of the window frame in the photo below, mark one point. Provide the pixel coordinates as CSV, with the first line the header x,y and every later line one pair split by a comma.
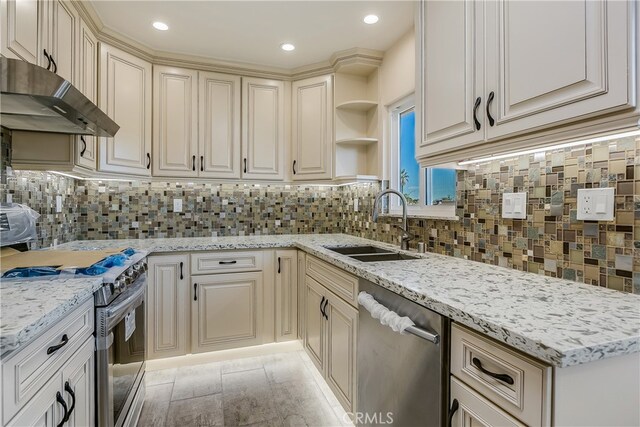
x,y
422,210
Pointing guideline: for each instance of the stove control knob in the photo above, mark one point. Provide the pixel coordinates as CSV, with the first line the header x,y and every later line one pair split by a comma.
x,y
119,285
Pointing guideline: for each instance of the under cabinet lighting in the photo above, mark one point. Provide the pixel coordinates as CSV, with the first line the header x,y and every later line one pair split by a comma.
x,y
160,26
549,148
371,19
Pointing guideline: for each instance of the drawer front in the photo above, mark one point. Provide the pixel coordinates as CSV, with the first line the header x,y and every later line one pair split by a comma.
x,y
336,280
474,410
225,262
519,385
28,370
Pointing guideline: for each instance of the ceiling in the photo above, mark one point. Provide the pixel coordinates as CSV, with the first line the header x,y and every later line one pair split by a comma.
x,y
252,31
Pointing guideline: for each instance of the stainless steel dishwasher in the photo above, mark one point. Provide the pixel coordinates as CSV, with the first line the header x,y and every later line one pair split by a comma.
x,y
402,378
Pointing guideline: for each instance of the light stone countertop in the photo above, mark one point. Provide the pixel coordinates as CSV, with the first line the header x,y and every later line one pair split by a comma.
x,y
29,307
561,322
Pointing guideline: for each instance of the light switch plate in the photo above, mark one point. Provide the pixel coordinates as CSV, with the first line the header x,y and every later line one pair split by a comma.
x,y
177,205
514,205
596,204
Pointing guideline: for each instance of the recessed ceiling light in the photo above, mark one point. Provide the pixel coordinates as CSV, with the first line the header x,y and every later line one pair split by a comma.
x,y
160,26
287,46
371,19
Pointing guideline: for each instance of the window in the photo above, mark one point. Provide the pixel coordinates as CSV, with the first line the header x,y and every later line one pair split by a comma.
x,y
429,191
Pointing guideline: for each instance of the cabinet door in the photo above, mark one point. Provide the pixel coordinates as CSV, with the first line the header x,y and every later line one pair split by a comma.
x,y
302,257
262,129
79,383
63,39
125,95
312,128
219,125
474,410
226,311
22,30
286,304
86,155
43,410
552,62
315,326
168,306
342,327
175,121
450,55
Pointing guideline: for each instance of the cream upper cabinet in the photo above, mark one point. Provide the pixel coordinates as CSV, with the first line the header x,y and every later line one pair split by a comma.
x,y
125,95
219,145
286,294
492,70
22,25
64,26
175,122
548,62
87,82
312,128
168,306
263,130
451,87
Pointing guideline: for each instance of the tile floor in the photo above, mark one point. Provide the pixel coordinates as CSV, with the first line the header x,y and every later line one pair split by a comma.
x,y
282,389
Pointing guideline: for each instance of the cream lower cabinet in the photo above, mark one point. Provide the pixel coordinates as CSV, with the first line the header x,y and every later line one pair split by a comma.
x,y
330,339
302,259
226,311
286,295
470,409
168,306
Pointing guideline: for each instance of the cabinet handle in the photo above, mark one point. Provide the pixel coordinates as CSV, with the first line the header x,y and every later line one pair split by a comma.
x,y
489,117
227,262
68,389
84,146
245,165
55,66
453,410
181,275
61,401
278,265
195,292
475,111
324,311
148,161
502,377
321,303
46,55
294,167
193,164
201,163
57,347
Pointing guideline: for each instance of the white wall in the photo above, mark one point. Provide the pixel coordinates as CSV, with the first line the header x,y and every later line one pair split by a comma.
x,y
397,80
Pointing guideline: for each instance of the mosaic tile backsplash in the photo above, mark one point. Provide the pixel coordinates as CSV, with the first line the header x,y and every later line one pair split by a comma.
x,y
550,241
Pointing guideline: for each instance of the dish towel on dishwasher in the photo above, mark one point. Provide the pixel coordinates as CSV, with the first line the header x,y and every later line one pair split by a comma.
x,y
387,317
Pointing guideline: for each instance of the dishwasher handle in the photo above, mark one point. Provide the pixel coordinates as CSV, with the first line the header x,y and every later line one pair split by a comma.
x,y
370,304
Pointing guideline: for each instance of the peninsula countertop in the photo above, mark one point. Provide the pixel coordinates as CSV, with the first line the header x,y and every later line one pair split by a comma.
x,y
561,322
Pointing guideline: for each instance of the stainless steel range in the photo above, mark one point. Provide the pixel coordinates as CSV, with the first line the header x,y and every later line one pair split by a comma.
x,y
120,343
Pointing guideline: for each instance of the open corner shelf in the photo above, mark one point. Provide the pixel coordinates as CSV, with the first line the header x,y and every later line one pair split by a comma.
x,y
357,105
356,141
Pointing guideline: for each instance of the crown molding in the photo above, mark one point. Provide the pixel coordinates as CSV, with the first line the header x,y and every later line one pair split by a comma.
x,y
355,60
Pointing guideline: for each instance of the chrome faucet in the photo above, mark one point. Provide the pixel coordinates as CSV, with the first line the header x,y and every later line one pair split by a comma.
x,y
404,241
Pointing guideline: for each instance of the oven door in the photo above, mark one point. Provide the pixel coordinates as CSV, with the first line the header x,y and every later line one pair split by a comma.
x,y
121,353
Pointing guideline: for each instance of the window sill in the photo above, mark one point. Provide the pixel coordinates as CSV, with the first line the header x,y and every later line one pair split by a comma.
x,y
422,215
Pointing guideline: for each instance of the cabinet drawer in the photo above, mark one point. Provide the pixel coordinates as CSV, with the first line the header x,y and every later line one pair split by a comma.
x,y
225,262
339,282
474,410
524,386
29,369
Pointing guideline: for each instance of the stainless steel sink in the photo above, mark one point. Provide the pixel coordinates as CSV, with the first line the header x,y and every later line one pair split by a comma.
x,y
357,250
383,257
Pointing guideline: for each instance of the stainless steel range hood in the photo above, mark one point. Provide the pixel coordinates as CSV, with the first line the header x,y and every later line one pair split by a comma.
x,y
34,99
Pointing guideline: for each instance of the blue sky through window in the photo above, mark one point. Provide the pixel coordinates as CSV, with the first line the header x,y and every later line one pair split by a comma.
x,y
409,178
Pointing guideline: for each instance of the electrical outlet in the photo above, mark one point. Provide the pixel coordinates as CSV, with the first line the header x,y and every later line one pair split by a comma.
x,y
58,203
514,205
596,204
355,205
177,205
9,197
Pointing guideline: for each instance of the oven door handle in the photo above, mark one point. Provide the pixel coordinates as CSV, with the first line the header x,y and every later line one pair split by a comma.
x,y
132,300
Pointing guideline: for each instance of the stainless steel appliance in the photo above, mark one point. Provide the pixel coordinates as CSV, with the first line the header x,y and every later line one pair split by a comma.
x,y
402,378
36,99
121,347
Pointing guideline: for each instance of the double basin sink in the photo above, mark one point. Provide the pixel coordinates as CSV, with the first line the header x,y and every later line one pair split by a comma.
x,y
370,253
